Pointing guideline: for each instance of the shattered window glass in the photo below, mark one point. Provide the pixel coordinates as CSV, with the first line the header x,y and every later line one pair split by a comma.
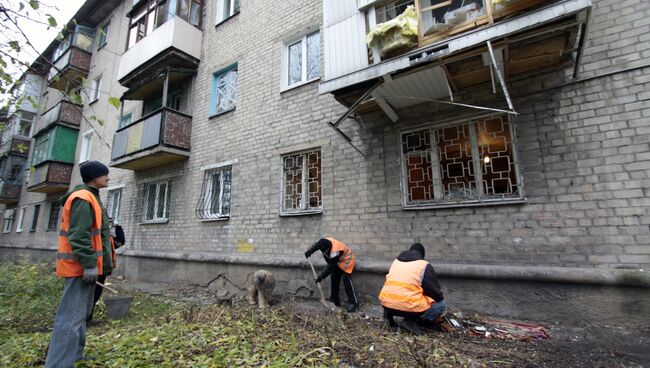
x,y
295,63
226,91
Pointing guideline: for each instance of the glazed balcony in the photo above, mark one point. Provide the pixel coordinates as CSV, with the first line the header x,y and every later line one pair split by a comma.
x,y
159,138
65,113
50,177
69,69
17,145
174,44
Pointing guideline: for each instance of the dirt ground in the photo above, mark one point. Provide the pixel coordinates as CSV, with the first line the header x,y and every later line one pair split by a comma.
x,y
568,346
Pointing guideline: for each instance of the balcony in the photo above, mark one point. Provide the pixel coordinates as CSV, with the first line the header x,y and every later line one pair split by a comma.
x,y
16,146
174,44
64,113
10,191
157,139
50,177
12,167
71,68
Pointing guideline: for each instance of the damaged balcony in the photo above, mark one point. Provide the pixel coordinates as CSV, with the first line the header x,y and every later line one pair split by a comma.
x,y
530,38
13,157
71,59
50,177
63,113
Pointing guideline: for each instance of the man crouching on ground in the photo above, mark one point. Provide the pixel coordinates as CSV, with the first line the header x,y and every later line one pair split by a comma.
x,y
82,256
412,291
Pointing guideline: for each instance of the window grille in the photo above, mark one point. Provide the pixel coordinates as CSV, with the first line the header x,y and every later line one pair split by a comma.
x,y
465,163
154,203
214,202
53,220
302,182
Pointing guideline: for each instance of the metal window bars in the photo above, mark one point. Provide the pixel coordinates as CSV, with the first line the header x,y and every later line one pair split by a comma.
x,y
214,202
153,205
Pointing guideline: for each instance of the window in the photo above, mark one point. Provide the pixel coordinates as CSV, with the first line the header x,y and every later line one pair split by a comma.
x,y
215,195
53,220
113,209
8,220
86,142
21,218
301,60
154,13
301,183
37,209
94,89
40,149
460,164
226,9
155,201
124,121
102,38
392,10
224,90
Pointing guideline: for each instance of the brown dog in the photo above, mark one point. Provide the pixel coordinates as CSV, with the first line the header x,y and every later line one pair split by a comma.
x,y
260,286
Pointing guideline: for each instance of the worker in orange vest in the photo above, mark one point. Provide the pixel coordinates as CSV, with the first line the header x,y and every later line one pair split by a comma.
x,y
340,263
412,291
84,253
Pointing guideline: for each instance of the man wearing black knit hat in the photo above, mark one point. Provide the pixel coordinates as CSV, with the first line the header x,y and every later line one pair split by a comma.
x,y
412,291
84,254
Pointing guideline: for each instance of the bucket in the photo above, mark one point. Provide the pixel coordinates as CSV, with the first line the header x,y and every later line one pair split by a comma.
x,y
117,306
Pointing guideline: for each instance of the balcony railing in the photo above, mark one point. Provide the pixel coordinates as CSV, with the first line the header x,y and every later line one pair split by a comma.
x,y
50,177
64,112
175,43
157,139
16,146
10,191
71,67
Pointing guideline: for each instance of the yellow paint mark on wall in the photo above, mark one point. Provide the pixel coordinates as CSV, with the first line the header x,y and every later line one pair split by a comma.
x,y
245,246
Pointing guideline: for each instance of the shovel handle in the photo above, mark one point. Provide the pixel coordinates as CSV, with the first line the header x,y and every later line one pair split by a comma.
x,y
313,270
106,287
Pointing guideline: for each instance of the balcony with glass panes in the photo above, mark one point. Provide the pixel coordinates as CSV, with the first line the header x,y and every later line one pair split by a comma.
x,y
52,159
71,59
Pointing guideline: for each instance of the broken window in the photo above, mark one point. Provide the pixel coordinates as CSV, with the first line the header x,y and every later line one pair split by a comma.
x,y
302,61
465,163
154,202
214,202
302,182
224,90
391,10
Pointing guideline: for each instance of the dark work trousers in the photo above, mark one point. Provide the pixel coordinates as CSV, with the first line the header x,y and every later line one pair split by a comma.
x,y
337,275
98,294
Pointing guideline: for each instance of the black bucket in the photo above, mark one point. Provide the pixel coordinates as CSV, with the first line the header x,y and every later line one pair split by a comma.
x,y
117,306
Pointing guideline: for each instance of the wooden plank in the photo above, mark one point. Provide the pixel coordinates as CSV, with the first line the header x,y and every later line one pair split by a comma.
x,y
437,6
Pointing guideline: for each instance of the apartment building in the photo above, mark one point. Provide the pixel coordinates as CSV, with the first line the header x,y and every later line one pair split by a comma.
x,y
509,137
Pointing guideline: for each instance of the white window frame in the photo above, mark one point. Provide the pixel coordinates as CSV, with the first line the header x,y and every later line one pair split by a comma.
x,y
224,14
146,195
105,28
206,197
21,219
304,208
438,200
284,85
121,119
86,144
7,220
95,89
113,207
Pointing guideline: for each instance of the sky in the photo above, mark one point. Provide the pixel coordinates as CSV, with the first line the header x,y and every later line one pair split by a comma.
x,y
62,10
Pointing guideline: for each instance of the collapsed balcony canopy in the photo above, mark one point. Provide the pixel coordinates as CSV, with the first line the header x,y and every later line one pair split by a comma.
x,y
153,85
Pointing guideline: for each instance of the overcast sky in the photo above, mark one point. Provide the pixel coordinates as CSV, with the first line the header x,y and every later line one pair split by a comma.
x,y
38,34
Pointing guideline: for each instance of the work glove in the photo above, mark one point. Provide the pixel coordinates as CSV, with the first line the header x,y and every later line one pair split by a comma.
x,y
318,279
90,275
308,254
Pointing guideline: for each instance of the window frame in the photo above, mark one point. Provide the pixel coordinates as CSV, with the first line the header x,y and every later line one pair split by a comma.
x,y
104,29
86,145
146,16
95,89
286,45
222,15
305,208
214,101
203,210
143,209
121,119
21,219
112,208
37,210
8,220
435,203
53,217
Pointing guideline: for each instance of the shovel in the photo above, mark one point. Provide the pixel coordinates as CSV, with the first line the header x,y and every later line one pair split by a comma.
x,y
328,305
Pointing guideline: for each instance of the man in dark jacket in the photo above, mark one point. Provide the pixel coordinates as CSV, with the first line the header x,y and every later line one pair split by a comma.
x,y
412,290
340,263
84,254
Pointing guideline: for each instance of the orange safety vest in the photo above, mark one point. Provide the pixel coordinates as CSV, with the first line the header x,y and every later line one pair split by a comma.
x,y
346,261
67,264
403,287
